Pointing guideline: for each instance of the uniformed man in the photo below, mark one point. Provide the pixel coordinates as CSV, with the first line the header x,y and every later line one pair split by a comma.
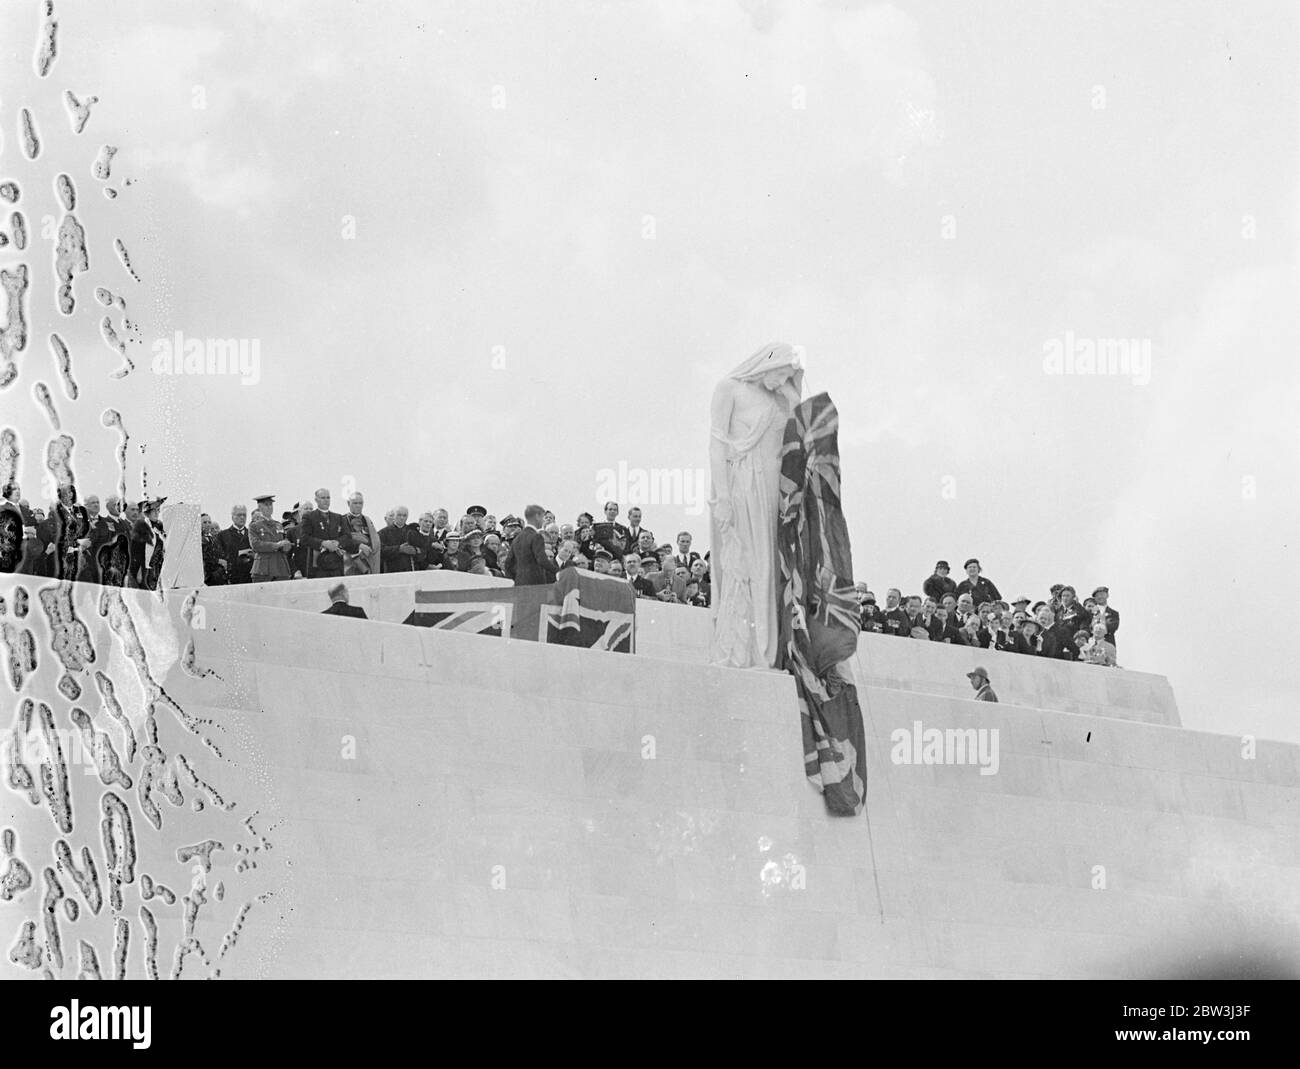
x,y
896,622
979,681
266,539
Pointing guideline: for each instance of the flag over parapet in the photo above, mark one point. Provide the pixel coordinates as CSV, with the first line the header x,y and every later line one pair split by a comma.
x,y
819,620
578,609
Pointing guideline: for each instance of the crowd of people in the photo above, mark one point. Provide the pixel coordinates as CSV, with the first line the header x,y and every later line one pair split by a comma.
x,y
120,545
312,541
123,546
973,613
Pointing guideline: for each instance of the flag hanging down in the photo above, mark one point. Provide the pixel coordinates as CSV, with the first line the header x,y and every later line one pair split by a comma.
x,y
578,609
819,613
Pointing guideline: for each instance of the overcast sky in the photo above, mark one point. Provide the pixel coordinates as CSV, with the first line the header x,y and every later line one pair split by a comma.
x,y
488,250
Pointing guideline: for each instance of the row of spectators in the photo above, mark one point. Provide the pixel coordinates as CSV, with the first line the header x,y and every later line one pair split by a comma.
x,y
973,613
311,541
120,546
123,546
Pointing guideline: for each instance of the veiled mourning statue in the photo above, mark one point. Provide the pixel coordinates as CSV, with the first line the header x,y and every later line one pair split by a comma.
x,y
748,416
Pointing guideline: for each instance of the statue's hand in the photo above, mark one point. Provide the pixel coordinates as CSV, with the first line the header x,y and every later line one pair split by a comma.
x,y
723,514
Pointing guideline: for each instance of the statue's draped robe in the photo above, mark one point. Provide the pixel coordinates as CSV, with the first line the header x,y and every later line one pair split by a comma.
x,y
743,557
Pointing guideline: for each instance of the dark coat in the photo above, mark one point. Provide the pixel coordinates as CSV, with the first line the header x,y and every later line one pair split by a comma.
x,y
1112,624
230,541
981,590
949,634
11,537
342,608
872,619
529,565
937,586
1075,618
318,527
895,622
391,541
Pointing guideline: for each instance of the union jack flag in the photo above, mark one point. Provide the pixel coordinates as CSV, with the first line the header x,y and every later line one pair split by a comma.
x,y
578,609
819,613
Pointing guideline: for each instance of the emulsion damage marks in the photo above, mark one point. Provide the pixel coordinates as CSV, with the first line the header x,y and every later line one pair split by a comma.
x,y
17,877
78,110
86,877
13,335
63,361
69,637
28,134
70,258
47,44
60,739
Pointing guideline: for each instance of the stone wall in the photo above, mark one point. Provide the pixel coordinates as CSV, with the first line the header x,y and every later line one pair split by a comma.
x,y
393,801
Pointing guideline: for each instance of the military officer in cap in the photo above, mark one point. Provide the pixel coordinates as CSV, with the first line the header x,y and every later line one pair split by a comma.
x,y
270,547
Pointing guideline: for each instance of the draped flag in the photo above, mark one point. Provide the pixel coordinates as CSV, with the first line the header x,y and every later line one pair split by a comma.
x,y
819,613
578,609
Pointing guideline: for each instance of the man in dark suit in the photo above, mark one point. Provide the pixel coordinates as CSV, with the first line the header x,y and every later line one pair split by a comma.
x,y
1110,616
396,553
339,604
99,532
685,556
1072,616
235,548
611,534
529,563
634,529
326,538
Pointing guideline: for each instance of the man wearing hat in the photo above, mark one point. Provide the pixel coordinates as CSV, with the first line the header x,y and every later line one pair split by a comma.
x,y
339,604
1103,611
270,547
939,584
979,588
979,681
478,512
